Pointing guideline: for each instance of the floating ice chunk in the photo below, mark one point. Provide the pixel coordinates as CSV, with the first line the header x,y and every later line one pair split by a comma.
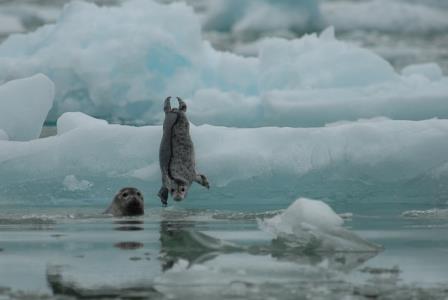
x,y
24,105
434,213
71,120
362,158
72,184
313,226
313,212
432,71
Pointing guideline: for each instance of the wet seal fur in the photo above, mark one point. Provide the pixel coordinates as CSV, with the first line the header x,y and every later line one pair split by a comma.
x,y
127,202
176,155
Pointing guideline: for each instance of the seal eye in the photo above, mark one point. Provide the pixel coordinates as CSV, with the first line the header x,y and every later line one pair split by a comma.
x,y
138,194
125,195
182,189
172,190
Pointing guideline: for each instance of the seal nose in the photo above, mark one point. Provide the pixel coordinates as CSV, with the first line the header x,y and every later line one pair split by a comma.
x,y
178,198
135,206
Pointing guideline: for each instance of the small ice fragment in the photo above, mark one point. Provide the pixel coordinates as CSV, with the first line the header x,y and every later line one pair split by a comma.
x,y
426,214
72,184
346,216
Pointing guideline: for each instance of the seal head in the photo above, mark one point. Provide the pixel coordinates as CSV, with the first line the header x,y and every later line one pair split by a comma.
x,y
179,189
127,202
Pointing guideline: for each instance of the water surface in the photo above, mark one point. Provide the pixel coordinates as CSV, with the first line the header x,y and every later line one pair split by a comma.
x,y
189,253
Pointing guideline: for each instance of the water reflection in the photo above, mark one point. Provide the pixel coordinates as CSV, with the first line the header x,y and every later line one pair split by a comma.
x,y
181,239
128,245
178,240
129,225
342,261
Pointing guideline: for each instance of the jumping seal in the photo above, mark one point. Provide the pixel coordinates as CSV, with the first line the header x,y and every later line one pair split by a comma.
x,y
176,155
127,202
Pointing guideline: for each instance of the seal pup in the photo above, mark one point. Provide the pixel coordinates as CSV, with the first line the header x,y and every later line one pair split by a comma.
x,y
176,155
127,202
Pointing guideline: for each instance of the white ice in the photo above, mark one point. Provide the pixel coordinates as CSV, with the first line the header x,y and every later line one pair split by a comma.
x,y
24,105
314,226
430,71
119,63
254,18
9,24
363,153
72,184
384,15
435,213
247,20
303,210
73,120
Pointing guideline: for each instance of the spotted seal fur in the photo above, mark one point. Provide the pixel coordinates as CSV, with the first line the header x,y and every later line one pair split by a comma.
x,y
176,155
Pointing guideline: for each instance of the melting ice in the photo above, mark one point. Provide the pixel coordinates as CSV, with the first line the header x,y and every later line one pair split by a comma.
x,y
116,63
359,131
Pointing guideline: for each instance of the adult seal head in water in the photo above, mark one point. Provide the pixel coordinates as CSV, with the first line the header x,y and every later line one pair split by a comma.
x,y
127,202
176,155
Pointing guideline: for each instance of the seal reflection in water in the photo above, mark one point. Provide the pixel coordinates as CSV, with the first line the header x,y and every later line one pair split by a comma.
x,y
127,202
176,155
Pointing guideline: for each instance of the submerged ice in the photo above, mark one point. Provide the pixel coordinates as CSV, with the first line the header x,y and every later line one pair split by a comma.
x,y
119,63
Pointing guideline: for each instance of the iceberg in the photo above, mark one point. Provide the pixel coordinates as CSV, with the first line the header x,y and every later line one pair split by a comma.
x,y
10,24
395,16
431,71
251,19
119,63
312,226
346,160
24,105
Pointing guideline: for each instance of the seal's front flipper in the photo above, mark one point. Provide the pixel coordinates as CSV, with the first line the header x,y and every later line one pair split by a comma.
x,y
167,105
182,105
163,195
202,180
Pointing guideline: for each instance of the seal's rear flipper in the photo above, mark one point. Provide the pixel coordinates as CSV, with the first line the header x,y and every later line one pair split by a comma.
x,y
182,105
202,180
167,105
163,195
